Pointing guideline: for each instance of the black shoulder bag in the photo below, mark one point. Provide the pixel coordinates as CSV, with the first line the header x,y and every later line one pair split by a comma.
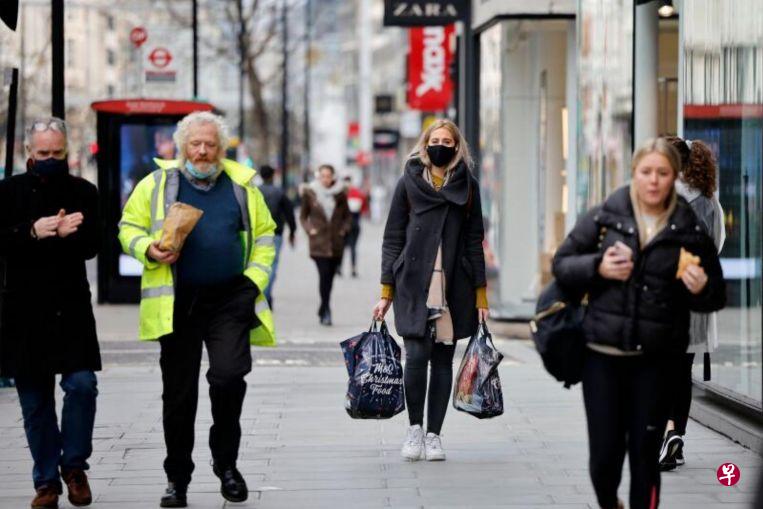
x,y
557,330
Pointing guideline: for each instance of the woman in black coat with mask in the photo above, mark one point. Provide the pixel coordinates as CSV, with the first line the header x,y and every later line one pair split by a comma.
x,y
626,255
433,271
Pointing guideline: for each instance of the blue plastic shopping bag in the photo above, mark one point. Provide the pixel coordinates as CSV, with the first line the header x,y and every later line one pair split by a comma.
x,y
375,388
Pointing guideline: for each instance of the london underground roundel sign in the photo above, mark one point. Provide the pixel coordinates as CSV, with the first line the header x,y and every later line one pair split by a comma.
x,y
160,57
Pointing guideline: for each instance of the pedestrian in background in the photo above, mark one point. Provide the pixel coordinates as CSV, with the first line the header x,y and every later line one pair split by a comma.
x,y
697,185
433,270
282,210
326,218
48,228
625,253
210,294
357,201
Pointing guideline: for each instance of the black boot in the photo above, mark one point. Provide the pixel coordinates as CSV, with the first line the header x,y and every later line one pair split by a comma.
x,y
175,496
232,485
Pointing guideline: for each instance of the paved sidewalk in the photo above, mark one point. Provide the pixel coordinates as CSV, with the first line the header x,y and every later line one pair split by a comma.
x,y
301,450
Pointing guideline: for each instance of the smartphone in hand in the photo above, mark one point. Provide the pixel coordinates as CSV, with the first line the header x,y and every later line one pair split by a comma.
x,y
623,250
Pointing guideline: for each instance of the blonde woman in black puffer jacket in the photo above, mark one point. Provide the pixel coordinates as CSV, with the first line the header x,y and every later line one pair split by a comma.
x,y
625,254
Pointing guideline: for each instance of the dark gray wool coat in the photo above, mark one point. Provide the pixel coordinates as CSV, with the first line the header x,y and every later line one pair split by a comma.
x,y
419,219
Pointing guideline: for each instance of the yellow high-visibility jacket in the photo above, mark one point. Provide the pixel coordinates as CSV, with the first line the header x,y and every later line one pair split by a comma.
x,y
142,223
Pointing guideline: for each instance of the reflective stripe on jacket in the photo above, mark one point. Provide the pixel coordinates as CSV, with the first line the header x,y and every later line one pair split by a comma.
x,y
142,223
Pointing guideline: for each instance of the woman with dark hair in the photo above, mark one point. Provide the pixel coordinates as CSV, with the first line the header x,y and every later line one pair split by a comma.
x,y
433,270
626,254
697,185
326,218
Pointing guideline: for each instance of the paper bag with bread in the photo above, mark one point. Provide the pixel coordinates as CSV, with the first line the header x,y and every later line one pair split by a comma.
x,y
684,260
180,221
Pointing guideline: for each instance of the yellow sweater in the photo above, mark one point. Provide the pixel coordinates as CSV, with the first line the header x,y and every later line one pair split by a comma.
x,y
388,291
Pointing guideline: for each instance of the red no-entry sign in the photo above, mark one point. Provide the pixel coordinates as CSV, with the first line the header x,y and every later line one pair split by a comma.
x,y
160,57
138,36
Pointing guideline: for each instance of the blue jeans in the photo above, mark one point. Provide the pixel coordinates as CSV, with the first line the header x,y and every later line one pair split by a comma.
x,y
70,446
274,268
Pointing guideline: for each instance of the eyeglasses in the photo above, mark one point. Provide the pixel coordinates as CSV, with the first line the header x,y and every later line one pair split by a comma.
x,y
53,125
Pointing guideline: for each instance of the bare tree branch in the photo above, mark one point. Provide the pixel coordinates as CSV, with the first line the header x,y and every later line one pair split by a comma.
x,y
260,22
177,18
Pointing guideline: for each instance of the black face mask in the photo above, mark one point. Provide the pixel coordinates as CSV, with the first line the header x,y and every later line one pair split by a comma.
x,y
441,155
50,167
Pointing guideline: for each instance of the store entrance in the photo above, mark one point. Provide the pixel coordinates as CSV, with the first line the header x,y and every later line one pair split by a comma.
x,y
526,67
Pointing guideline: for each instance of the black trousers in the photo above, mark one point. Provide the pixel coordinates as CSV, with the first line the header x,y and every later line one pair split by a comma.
x,y
351,241
327,268
221,318
682,386
627,408
421,353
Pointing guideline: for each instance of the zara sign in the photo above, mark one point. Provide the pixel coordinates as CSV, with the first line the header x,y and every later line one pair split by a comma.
x,y
423,12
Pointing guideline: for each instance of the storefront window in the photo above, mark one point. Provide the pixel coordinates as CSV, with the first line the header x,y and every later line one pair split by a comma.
x,y
523,127
605,94
723,106
490,152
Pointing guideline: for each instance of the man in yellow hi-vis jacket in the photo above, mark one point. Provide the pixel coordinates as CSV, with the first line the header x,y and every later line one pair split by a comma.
x,y
211,293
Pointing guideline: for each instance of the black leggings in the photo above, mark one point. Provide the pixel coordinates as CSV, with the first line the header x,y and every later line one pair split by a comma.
x,y
326,272
682,386
420,352
627,408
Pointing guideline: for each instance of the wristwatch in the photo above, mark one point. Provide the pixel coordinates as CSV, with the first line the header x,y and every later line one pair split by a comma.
x,y
33,233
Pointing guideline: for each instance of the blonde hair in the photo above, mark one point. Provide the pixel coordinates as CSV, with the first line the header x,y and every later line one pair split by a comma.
x,y
462,151
665,148
660,146
200,117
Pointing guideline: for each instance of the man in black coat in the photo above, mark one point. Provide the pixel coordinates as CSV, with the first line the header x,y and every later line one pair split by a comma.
x,y
283,214
48,224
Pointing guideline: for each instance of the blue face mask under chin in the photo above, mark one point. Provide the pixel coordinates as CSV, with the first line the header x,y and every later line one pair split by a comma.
x,y
198,174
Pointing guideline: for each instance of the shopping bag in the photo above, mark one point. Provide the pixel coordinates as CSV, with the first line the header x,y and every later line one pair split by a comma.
x,y
181,219
375,387
477,390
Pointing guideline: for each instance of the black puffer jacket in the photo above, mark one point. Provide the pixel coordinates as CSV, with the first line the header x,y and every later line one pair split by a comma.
x,y
419,219
650,311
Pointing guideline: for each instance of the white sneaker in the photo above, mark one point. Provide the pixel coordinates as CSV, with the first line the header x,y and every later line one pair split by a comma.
x,y
413,447
433,448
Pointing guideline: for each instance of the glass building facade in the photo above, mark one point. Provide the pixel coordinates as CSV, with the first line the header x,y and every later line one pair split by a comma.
x,y
565,97
722,105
